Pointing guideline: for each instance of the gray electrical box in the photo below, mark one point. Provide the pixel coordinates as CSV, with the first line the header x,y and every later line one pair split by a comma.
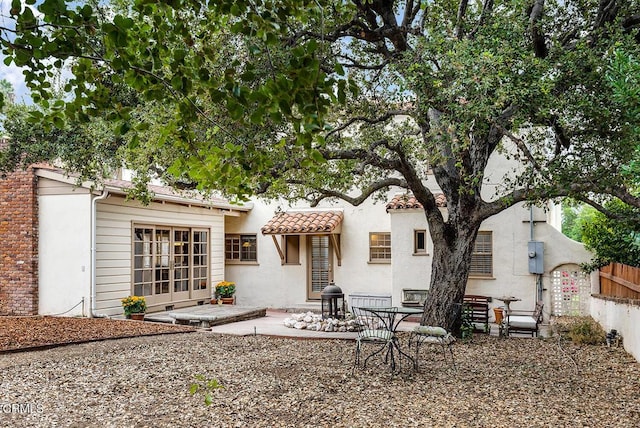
x,y
536,257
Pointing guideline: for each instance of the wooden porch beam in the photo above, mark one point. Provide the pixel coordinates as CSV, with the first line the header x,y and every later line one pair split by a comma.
x,y
336,248
280,252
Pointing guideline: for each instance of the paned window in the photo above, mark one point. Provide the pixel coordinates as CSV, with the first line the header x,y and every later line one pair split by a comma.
x,y
167,259
379,247
241,248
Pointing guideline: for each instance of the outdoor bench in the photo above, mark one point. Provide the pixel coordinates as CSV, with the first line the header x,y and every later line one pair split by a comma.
x,y
185,319
477,308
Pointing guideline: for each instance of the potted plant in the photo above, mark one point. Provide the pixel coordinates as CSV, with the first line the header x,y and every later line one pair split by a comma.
x,y
134,307
224,292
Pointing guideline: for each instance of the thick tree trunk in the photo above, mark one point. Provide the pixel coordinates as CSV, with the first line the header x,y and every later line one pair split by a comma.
x,y
449,274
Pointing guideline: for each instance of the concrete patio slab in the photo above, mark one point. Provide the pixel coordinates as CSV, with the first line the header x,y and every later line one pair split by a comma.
x,y
214,314
273,325
247,321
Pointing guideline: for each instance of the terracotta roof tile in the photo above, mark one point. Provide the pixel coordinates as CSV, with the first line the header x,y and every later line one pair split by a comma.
x,y
303,222
404,202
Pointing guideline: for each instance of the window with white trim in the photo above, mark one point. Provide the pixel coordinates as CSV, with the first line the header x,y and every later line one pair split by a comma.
x,y
166,259
482,256
380,247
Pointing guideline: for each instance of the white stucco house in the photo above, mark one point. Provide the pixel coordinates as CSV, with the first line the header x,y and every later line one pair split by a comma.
x,y
383,251
93,247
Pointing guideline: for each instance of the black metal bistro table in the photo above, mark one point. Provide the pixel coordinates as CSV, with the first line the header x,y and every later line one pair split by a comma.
x,y
391,318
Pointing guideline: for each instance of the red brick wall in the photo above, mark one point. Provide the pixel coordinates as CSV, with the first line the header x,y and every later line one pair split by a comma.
x,y
19,243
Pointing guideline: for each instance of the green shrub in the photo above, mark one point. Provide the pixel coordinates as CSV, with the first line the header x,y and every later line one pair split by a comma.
x,y
467,327
581,330
206,386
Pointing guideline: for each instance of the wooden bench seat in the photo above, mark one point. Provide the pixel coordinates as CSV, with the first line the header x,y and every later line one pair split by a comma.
x,y
478,308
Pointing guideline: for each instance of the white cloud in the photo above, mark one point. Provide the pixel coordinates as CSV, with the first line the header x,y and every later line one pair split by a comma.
x,y
14,76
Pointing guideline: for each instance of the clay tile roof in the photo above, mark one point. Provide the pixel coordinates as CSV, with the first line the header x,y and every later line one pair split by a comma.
x,y
404,201
303,222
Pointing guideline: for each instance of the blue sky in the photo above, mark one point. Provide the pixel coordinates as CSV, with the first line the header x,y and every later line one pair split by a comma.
x,y
12,73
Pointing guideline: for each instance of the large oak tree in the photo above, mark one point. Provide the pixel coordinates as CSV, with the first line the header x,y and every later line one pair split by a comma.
x,y
343,99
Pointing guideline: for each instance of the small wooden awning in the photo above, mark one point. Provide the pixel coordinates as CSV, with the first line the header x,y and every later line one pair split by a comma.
x,y
306,223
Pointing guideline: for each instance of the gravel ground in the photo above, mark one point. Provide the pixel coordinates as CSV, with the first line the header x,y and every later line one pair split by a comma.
x,y
276,382
41,331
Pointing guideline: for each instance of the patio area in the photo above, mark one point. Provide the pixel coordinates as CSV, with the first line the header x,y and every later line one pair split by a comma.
x,y
284,382
245,321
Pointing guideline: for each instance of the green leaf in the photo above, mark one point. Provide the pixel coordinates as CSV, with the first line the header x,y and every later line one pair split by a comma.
x,y
208,399
317,156
194,388
58,122
122,22
235,110
176,82
16,7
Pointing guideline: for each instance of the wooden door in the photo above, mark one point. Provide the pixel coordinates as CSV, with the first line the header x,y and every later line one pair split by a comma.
x,y
320,265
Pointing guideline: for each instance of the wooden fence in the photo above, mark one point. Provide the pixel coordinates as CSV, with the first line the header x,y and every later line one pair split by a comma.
x,y
618,280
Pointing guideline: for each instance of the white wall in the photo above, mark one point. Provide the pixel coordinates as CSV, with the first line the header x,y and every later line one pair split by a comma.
x,y
621,316
64,265
268,283
511,233
271,284
409,270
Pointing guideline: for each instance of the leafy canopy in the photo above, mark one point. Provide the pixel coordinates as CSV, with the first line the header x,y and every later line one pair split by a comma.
x,y
320,99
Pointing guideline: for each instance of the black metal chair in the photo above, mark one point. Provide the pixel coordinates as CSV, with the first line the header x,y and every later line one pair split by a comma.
x,y
434,335
430,335
373,332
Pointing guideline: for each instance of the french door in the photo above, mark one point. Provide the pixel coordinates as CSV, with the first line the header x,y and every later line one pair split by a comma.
x,y
170,263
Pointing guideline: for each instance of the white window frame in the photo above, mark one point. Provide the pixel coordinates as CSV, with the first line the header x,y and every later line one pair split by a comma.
x,y
417,251
380,247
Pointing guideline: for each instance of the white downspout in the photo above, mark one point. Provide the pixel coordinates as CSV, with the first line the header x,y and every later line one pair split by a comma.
x,y
94,208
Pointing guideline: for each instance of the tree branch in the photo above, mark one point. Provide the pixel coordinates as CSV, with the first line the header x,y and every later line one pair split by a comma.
x,y
354,63
357,200
487,10
458,31
607,12
388,115
488,209
535,28
522,147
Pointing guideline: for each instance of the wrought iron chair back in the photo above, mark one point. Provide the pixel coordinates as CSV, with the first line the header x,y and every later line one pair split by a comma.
x,y
374,329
